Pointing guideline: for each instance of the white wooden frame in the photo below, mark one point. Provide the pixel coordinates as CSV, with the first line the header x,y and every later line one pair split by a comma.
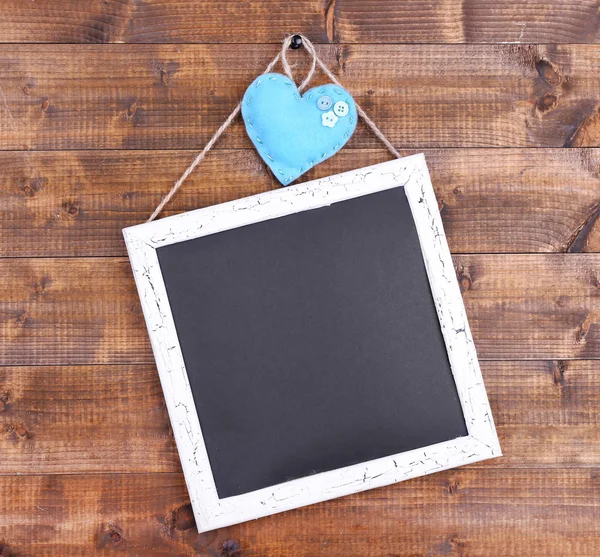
x,y
210,511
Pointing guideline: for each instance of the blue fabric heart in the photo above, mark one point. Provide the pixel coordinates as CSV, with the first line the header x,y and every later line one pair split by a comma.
x,y
293,133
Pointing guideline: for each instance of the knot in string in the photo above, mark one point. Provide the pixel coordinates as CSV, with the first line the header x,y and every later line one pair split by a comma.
x,y
282,55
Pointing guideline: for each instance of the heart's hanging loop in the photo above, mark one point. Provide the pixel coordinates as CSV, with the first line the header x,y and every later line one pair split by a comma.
x,y
286,66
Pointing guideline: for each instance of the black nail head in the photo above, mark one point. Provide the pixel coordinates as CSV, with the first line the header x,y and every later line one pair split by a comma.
x,y
296,42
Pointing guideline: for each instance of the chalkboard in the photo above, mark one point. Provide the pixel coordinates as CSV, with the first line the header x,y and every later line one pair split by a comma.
x,y
311,342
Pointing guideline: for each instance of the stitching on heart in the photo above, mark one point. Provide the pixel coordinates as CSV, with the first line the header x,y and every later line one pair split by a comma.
x,y
259,145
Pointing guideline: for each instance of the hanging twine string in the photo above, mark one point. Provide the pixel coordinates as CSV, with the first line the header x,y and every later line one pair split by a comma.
x,y
315,60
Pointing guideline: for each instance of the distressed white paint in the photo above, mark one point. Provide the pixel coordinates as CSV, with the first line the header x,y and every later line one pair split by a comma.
x,y
410,173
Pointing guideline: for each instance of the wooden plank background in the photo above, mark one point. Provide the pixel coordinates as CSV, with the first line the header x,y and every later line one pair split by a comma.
x,y
102,106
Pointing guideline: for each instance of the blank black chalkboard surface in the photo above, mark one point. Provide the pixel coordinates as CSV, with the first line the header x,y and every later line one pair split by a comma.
x,y
311,342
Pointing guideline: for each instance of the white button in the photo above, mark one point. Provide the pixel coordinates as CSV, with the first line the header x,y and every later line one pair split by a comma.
x,y
341,109
324,102
329,119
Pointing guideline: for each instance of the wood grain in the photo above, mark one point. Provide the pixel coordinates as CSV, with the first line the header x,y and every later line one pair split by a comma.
x,y
175,97
347,21
83,311
84,419
470,21
527,306
91,419
549,513
492,200
161,21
